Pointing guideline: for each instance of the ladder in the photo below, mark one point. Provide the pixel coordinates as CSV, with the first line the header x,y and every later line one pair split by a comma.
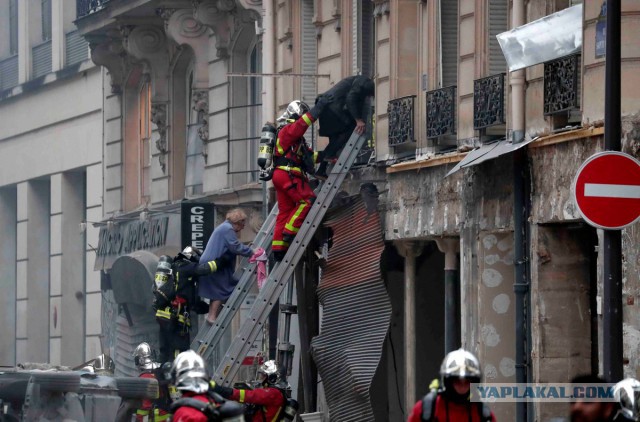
x,y
279,276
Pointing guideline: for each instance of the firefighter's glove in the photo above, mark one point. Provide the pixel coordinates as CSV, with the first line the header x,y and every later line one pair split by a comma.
x,y
224,392
321,102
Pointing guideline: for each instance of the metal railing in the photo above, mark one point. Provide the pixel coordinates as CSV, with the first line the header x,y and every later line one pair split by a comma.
x,y
488,101
401,127
441,112
561,84
243,141
87,7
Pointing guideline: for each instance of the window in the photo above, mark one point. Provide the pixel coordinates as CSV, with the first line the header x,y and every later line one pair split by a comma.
x,y
13,27
498,23
46,20
448,43
145,141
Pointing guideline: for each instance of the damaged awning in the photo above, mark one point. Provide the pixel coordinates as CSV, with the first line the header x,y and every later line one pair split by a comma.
x,y
488,152
548,38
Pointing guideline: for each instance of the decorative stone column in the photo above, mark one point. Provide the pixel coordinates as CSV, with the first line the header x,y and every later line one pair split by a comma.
x,y
409,250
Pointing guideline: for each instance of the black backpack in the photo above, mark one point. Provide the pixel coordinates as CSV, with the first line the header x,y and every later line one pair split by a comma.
x,y
429,407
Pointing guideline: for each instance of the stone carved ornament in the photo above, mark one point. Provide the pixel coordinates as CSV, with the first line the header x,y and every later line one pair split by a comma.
x,y
159,118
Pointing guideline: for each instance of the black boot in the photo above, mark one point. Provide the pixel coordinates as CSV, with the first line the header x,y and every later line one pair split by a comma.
x,y
278,256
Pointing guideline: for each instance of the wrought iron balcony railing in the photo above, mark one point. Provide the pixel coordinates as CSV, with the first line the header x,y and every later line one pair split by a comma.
x,y
400,112
87,7
488,101
561,80
441,112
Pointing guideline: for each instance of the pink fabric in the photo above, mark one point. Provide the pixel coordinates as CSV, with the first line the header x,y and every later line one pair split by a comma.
x,y
260,258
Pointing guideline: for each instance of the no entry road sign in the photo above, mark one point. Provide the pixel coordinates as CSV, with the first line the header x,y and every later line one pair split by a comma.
x,y
606,190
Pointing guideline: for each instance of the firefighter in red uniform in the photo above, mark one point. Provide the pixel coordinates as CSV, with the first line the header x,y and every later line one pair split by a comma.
x,y
451,403
151,410
270,400
292,161
189,376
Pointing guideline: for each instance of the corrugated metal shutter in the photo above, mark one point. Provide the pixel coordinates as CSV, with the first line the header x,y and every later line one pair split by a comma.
x,y
498,23
77,48
309,52
9,73
449,41
356,312
41,59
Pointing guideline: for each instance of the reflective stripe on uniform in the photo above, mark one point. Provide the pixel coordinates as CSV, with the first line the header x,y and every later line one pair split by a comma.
x,y
289,168
307,120
279,243
279,147
212,266
159,417
142,412
164,313
290,224
241,399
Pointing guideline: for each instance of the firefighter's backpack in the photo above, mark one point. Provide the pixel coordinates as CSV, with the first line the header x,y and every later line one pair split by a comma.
x,y
429,407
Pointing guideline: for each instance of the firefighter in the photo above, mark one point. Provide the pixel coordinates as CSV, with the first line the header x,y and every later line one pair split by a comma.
x,y
189,376
451,403
151,410
270,402
292,161
175,297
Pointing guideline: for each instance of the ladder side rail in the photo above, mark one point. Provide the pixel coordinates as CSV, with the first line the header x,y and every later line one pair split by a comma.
x,y
253,325
209,336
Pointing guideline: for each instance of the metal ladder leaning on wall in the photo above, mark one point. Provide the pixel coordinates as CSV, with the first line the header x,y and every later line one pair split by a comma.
x,y
278,278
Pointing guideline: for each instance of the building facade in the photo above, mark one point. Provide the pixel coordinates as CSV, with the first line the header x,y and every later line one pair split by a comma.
x,y
50,184
485,247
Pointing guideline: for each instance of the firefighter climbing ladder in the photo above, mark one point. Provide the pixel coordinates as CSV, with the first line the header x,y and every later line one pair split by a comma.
x,y
206,342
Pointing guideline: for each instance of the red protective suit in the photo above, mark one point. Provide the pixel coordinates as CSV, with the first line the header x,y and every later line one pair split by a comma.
x,y
189,414
293,193
448,411
270,399
144,413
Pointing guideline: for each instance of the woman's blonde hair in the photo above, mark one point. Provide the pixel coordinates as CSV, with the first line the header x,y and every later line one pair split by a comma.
x,y
236,215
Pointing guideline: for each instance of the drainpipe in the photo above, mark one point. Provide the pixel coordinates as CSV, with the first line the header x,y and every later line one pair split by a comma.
x,y
450,247
521,211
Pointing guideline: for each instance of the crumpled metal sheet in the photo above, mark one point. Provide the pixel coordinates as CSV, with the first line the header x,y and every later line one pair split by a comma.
x,y
356,313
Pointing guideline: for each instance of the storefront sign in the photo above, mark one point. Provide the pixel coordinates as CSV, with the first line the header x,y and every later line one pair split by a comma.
x,y
125,238
198,221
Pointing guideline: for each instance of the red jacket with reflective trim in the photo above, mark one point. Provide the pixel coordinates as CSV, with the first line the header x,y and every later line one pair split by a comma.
x,y
270,399
290,137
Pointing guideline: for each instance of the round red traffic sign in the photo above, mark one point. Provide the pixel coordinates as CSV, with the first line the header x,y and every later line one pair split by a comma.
x,y
606,190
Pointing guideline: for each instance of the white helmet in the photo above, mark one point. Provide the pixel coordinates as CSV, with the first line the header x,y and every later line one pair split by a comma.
x,y
627,394
189,373
143,358
294,111
191,253
271,371
460,364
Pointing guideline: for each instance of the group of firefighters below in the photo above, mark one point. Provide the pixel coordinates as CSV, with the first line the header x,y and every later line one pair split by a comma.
x,y
186,391
188,394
